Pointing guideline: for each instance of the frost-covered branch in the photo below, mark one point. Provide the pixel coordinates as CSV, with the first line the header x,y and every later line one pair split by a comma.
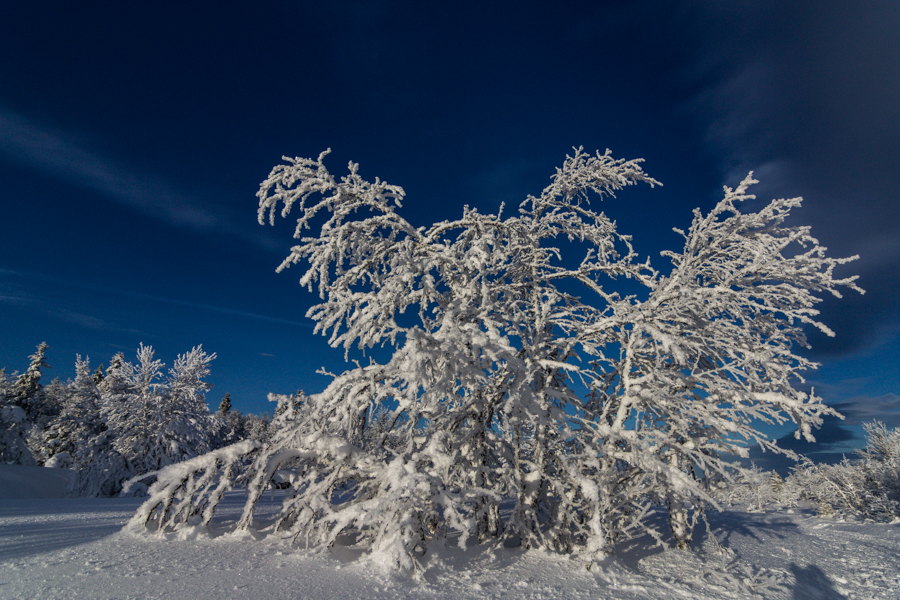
x,y
187,493
581,413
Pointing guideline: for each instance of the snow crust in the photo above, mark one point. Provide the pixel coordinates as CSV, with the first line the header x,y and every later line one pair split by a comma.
x,y
76,548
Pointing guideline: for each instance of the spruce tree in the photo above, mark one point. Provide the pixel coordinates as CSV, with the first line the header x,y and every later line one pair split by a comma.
x,y
28,386
152,420
13,449
79,421
225,404
98,375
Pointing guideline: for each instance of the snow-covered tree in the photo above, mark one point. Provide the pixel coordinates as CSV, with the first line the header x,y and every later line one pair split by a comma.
x,y
187,425
79,421
151,421
52,400
115,380
13,449
28,385
583,411
162,422
28,388
105,468
25,411
132,412
255,427
756,489
230,428
98,375
228,424
233,426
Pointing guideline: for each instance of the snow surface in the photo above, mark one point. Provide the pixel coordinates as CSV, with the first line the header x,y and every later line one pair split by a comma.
x,y
20,482
75,548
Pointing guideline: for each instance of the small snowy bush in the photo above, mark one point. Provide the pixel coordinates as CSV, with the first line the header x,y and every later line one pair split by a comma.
x,y
518,378
867,488
754,487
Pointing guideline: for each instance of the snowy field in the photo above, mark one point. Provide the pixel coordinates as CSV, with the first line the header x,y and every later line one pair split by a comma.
x,y
51,547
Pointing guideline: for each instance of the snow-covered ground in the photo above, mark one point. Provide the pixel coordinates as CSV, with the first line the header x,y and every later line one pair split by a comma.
x,y
52,547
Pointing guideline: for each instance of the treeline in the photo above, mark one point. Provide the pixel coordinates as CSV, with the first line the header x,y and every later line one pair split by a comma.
x,y
114,423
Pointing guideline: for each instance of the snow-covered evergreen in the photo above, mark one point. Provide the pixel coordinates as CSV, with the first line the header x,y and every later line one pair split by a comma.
x,y
26,410
255,427
78,422
132,410
158,422
28,386
13,421
150,421
225,405
582,411
186,423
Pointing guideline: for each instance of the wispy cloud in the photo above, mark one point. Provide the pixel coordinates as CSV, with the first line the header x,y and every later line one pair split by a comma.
x,y
812,107
864,409
834,441
25,299
837,438
218,309
37,146
13,293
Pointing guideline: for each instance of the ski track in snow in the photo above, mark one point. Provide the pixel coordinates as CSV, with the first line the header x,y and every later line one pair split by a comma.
x,y
57,548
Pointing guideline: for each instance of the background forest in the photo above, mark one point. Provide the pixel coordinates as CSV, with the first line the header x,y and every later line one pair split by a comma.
x,y
110,424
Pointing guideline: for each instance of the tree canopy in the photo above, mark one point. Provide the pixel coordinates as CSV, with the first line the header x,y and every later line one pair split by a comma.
x,y
527,399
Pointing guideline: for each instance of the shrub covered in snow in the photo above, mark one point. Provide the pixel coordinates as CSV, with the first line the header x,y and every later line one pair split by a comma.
x,y
867,488
187,493
759,491
581,412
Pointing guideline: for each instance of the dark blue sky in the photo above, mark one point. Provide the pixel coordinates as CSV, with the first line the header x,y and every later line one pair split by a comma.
x,y
133,138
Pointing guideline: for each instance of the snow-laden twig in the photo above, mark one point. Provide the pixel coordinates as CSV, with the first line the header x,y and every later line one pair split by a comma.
x,y
511,409
190,489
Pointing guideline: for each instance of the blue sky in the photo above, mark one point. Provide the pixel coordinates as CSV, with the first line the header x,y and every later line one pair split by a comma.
x,y
133,138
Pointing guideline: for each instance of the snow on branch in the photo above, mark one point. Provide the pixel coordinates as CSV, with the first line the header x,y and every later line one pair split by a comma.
x,y
187,493
511,410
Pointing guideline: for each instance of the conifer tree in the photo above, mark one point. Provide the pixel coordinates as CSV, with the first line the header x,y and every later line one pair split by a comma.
x,y
97,377
161,422
152,420
776,482
13,447
79,421
225,404
28,386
